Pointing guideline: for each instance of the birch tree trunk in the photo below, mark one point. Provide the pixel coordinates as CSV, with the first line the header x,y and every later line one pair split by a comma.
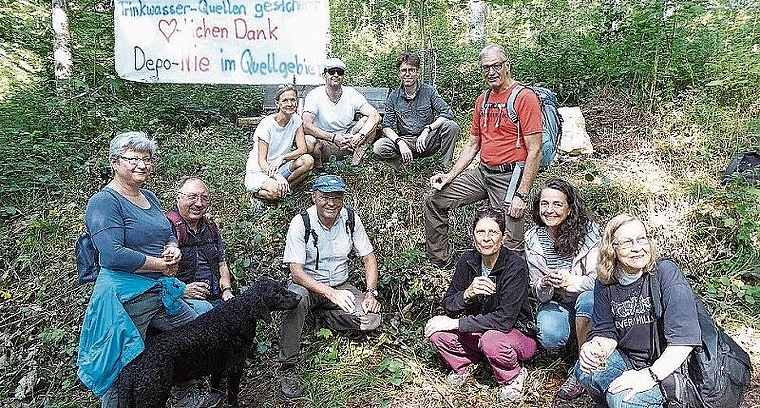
x,y
61,41
477,31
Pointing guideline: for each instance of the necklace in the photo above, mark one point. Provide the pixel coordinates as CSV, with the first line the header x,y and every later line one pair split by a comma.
x,y
334,96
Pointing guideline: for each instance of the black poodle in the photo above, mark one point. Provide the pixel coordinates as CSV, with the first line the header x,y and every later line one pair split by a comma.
x,y
214,344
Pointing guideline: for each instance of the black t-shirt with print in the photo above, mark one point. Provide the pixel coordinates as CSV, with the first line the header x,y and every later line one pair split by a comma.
x,y
625,313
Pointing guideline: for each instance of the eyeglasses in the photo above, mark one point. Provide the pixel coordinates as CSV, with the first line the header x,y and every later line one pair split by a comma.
x,y
497,66
194,197
335,199
134,160
333,71
407,70
489,233
628,243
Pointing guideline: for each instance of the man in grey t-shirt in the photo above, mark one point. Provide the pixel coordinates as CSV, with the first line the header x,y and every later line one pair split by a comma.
x,y
318,262
417,121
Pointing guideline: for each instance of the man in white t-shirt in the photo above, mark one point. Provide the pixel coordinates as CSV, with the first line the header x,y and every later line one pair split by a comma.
x,y
317,247
328,118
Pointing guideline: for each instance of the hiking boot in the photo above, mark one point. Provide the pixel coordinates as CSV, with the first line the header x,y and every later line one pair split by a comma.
x,y
571,389
398,165
196,398
513,390
455,380
290,384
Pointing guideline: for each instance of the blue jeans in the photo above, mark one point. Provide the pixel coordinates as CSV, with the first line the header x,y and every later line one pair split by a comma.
x,y
597,382
555,320
200,306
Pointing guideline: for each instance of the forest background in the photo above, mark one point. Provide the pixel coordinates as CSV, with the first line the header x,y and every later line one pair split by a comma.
x,y
669,91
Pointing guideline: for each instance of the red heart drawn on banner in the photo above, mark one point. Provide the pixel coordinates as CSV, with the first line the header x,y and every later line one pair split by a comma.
x,y
167,28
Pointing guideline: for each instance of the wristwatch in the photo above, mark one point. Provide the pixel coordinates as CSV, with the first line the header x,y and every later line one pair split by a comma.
x,y
521,196
373,292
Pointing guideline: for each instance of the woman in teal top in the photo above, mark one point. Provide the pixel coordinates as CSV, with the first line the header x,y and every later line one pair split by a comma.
x,y
138,257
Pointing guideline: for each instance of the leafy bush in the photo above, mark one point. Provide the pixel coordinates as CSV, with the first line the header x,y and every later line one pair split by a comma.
x,y
695,73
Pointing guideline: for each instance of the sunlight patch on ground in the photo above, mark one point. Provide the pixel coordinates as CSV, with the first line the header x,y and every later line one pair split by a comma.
x,y
640,173
17,67
749,339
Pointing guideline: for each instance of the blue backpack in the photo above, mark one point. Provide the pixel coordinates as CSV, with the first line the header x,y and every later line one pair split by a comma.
x,y
551,119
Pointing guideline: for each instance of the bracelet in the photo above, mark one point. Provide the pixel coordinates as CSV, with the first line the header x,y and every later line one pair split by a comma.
x,y
226,288
652,374
521,196
429,128
333,138
396,140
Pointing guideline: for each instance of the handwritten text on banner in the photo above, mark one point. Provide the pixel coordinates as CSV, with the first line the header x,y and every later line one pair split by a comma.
x,y
221,41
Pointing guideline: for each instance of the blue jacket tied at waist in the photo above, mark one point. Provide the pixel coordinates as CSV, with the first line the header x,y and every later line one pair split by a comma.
x,y
109,339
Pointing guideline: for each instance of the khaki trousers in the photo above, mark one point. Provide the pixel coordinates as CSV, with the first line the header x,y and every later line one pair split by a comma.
x,y
333,316
471,186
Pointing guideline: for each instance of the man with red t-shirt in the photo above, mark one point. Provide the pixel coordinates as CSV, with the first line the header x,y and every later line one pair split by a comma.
x,y
505,149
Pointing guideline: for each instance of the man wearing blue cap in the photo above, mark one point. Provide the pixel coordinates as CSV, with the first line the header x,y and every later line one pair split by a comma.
x,y
328,117
317,246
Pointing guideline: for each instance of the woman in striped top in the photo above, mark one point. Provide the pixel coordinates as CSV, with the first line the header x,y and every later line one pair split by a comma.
x,y
561,251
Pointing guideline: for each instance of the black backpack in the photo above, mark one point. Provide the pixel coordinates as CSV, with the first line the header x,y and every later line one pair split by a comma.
x,y
715,374
746,165
309,232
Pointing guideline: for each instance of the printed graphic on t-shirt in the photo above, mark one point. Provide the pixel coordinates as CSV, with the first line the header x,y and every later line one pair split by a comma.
x,y
633,311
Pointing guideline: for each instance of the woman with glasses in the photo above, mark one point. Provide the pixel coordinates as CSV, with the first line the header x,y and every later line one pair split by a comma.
x,y
138,255
617,364
273,166
562,250
484,305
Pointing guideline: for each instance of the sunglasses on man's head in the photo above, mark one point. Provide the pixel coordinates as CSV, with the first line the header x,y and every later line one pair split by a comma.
x,y
333,71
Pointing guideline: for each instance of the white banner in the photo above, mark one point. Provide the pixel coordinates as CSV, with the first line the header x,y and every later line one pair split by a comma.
x,y
221,41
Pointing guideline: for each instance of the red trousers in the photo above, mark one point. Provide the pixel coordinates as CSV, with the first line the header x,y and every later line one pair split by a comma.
x,y
504,351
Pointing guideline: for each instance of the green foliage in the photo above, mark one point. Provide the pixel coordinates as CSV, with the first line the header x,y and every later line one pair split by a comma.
x,y
395,370
737,283
324,333
329,348
735,214
695,71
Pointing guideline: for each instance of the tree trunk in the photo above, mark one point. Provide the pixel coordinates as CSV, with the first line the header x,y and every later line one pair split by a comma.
x,y
478,11
61,42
